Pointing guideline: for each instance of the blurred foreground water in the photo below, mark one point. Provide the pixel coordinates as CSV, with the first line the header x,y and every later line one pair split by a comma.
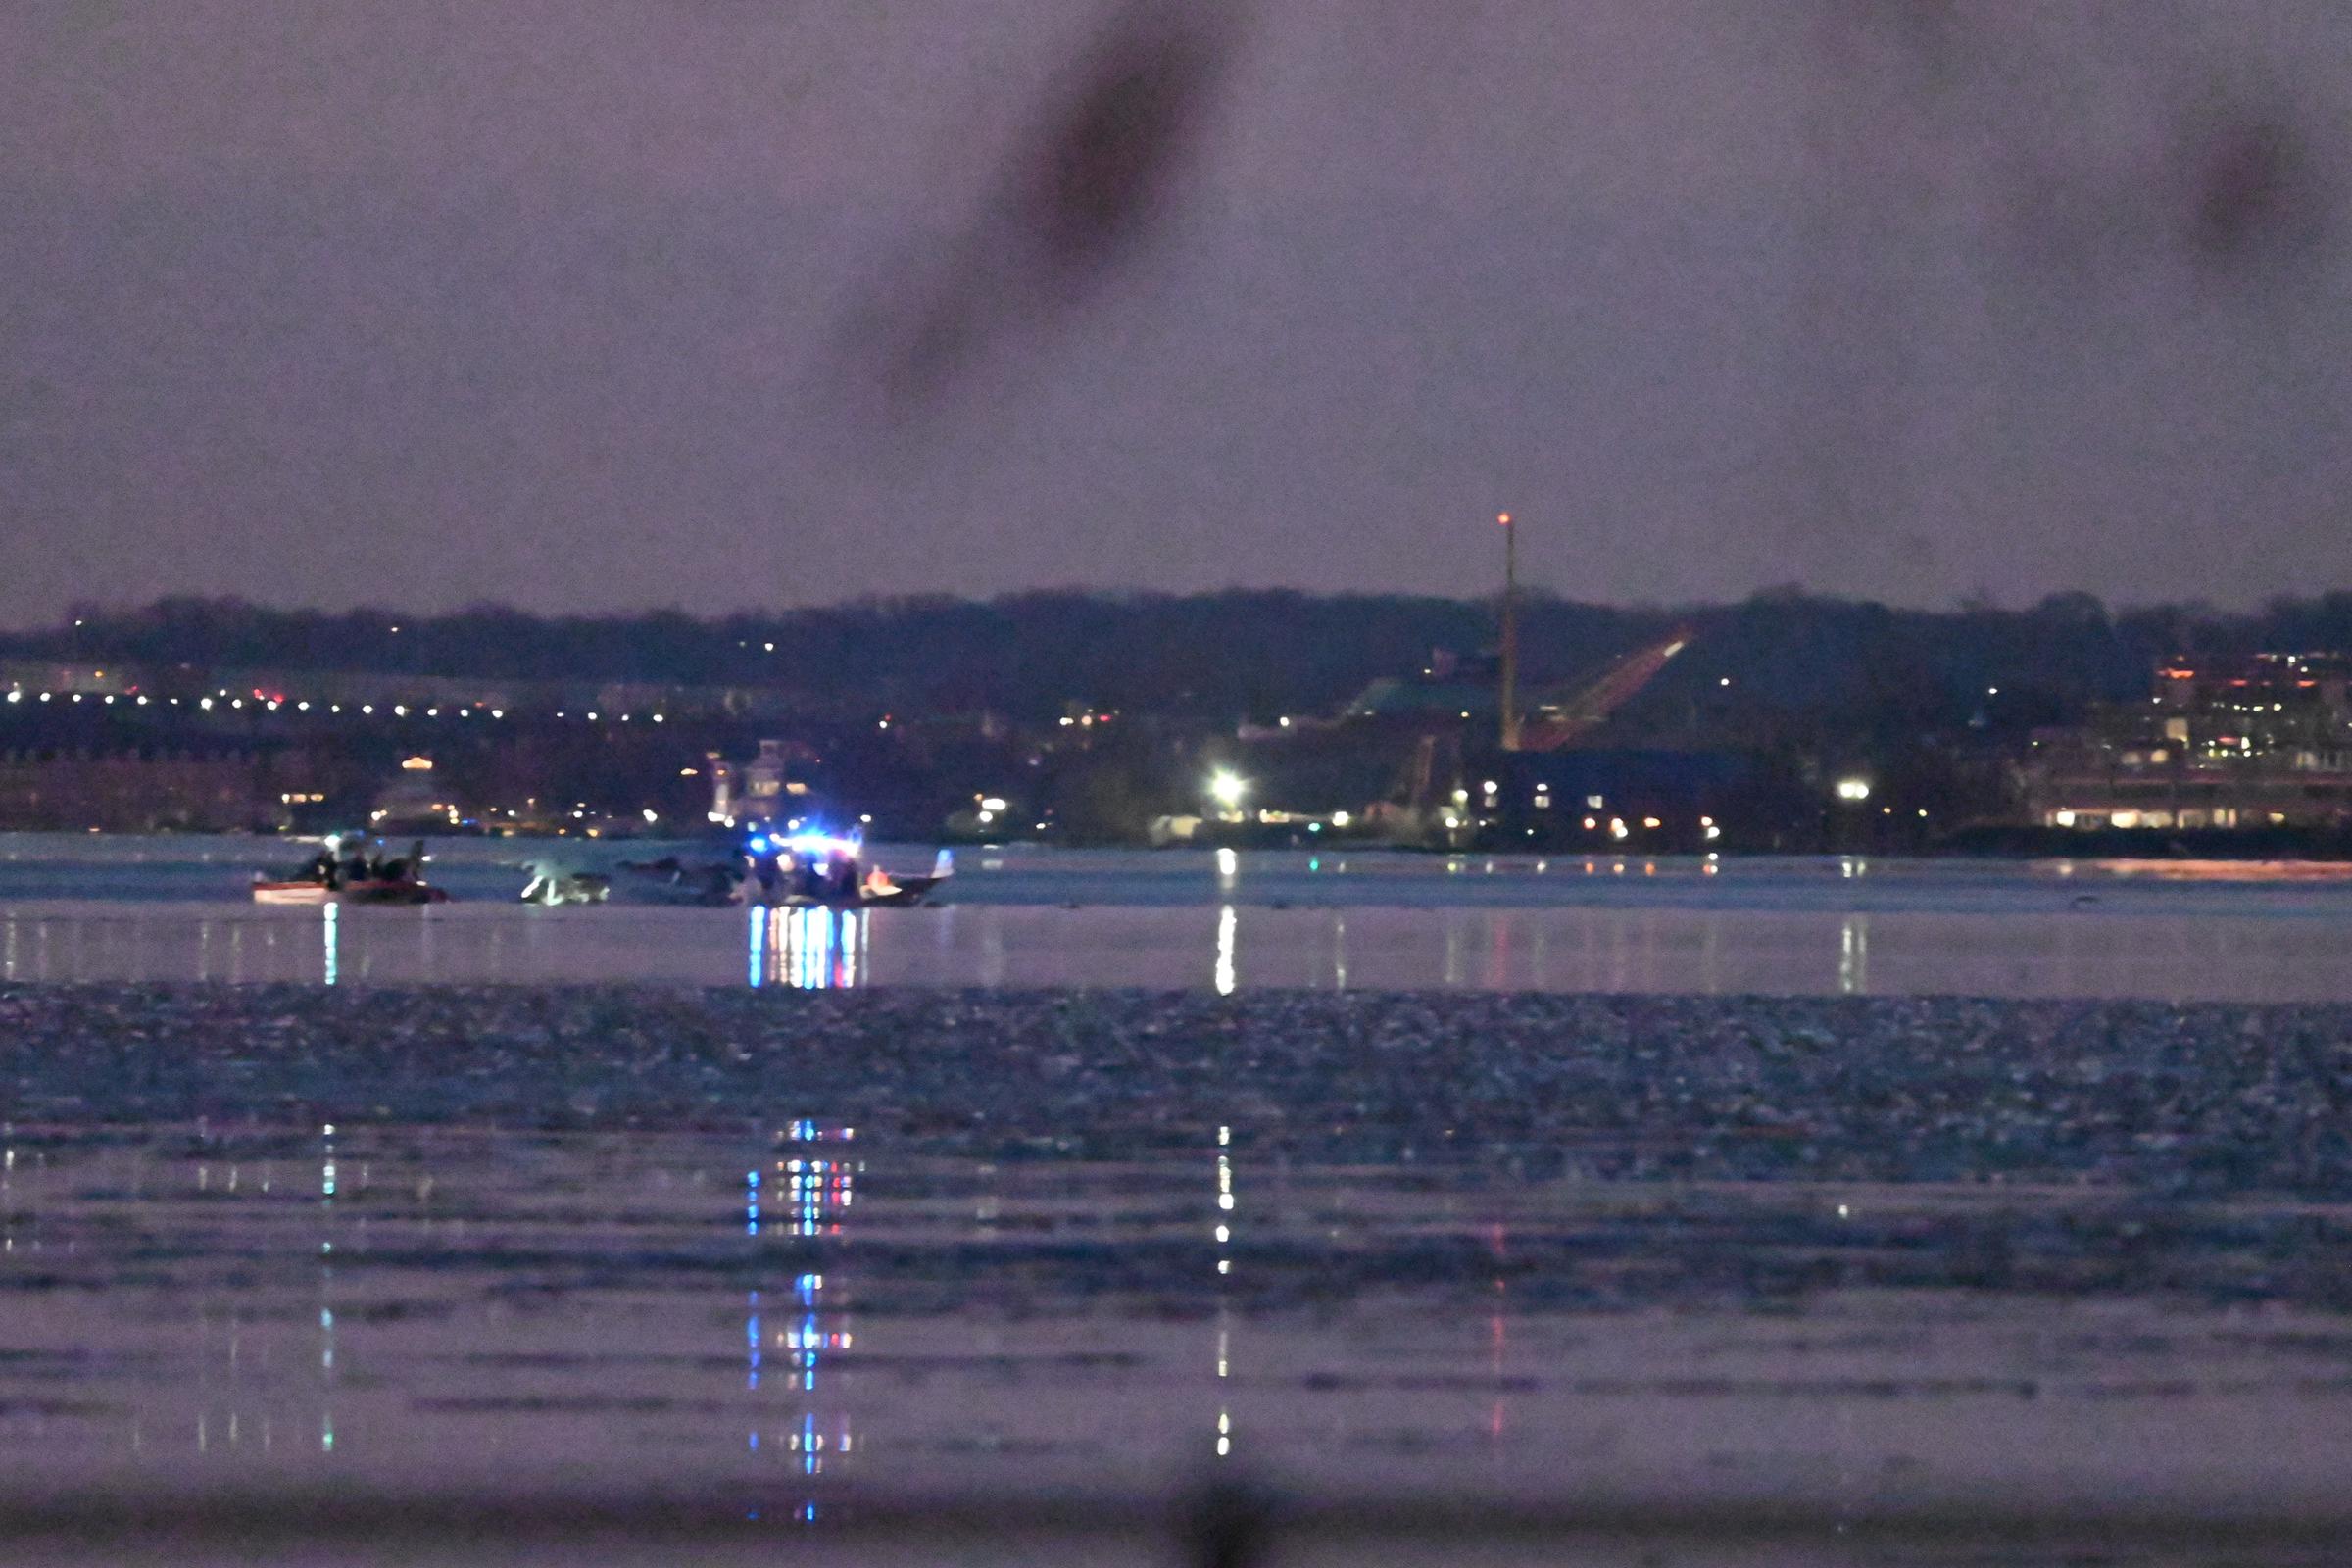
x,y
831,1327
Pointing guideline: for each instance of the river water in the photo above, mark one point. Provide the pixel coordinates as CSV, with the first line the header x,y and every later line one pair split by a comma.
x,y
855,1334
174,910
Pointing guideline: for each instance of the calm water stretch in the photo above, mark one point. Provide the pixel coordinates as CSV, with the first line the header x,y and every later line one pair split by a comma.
x,y
100,909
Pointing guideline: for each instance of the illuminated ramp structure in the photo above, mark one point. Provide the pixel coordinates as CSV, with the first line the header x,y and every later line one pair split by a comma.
x,y
1563,716
1432,788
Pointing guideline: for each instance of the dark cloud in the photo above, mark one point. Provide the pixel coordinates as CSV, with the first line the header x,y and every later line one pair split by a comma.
x,y
1082,189
2250,183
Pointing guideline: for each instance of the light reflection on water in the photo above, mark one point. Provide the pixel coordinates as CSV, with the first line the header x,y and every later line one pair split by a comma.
x,y
1222,948
820,1186
420,1303
804,950
790,1314
1228,1220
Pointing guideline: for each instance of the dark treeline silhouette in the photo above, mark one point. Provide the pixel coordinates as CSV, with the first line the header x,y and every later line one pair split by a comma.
x,y
1253,653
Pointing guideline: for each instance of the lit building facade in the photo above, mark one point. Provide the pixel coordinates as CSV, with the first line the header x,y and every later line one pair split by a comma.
x,y
414,800
760,791
2260,741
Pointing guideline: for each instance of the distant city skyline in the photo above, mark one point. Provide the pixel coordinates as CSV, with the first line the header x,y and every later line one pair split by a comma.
x,y
600,306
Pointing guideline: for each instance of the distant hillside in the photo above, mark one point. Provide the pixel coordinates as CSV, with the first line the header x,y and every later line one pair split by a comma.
x,y
1251,654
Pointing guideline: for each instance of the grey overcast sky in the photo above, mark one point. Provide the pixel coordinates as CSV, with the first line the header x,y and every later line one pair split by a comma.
x,y
602,304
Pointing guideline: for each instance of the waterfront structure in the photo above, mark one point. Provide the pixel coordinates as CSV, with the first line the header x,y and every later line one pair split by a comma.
x,y
760,791
2256,741
415,801
318,694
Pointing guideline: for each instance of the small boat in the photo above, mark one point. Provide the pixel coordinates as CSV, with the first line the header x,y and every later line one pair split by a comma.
x,y
820,870
401,892
333,877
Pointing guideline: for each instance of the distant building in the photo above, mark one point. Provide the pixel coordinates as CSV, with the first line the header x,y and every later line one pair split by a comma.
x,y
416,801
2257,741
760,789
1449,688
1595,797
329,693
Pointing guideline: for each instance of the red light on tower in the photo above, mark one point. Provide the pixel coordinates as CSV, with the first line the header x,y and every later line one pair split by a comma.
x,y
1503,518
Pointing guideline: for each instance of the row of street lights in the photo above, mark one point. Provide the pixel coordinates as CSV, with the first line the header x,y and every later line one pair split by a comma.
x,y
271,705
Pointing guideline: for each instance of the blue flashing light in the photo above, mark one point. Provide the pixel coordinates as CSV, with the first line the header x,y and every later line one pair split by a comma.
x,y
820,844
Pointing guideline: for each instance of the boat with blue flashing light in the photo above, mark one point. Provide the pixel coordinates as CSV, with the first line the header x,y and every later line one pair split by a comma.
x,y
813,869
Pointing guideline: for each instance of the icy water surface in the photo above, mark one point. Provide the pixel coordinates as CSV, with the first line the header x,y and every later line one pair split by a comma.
x,y
846,1266
816,1322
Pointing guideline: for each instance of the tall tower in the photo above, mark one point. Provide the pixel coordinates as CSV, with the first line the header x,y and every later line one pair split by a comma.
x,y
1510,632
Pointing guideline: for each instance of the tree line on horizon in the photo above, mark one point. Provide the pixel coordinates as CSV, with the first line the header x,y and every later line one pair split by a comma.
x,y
1245,653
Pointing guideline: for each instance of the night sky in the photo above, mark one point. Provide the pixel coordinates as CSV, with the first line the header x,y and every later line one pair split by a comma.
x,y
604,304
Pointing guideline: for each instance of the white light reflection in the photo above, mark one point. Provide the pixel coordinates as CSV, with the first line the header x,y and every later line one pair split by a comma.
x,y
1227,921
1222,1232
334,941
1853,955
